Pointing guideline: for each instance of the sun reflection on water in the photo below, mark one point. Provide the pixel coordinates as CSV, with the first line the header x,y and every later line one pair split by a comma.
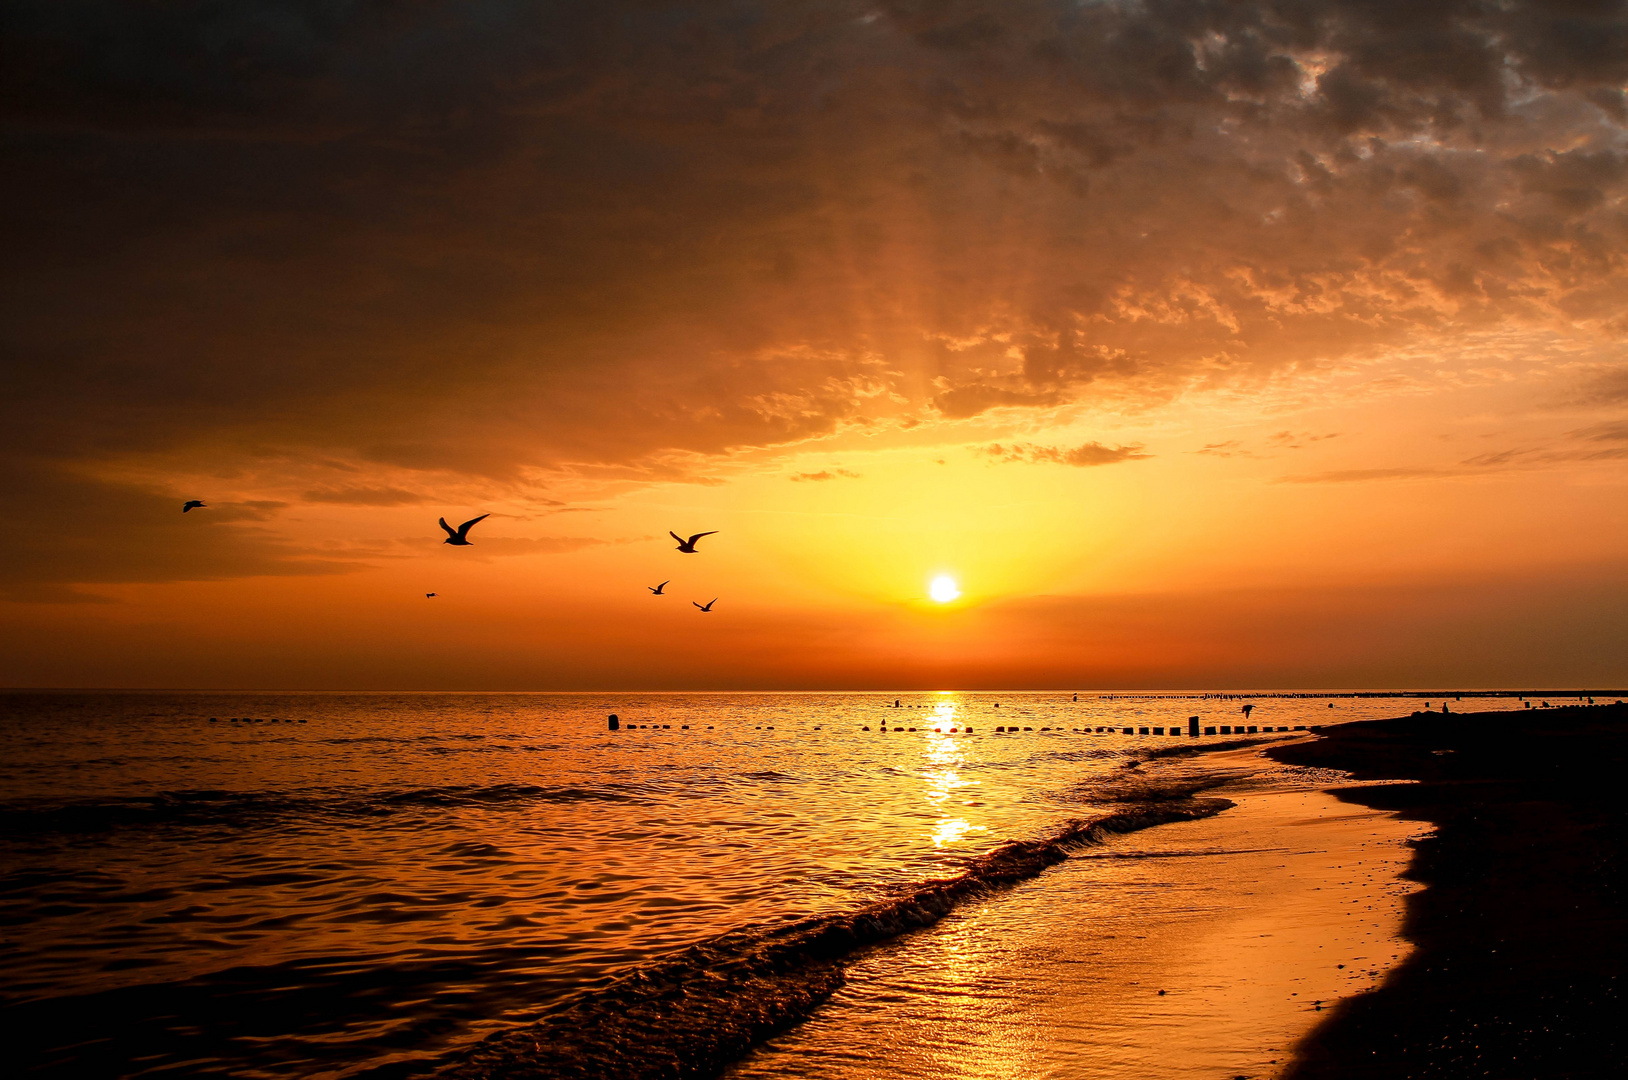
x,y
944,755
952,829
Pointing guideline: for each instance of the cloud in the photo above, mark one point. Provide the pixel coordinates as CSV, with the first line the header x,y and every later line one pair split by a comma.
x,y
1612,432
1606,388
1358,476
1532,457
364,496
975,398
1498,458
535,545
578,238
1281,440
825,474
1289,440
1086,454
1540,456
87,532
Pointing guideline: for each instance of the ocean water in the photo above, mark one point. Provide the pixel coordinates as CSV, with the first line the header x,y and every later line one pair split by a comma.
x,y
391,885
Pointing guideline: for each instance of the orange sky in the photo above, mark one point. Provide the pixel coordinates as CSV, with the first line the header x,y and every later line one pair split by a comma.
x,y
1225,345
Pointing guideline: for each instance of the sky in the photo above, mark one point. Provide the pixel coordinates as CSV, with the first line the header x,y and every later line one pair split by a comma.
x,y
1201,343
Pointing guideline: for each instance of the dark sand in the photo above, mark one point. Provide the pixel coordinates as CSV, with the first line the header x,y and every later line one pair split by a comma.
x,y
1520,932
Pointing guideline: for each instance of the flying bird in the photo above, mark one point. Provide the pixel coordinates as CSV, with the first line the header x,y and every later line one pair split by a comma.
x,y
460,535
428,595
709,604
191,504
688,546
657,590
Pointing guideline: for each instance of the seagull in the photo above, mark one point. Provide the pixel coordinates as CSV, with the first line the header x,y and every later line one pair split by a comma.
x,y
688,546
657,590
191,504
460,536
709,603
428,595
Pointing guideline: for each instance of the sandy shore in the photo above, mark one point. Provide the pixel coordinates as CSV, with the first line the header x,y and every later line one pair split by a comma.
x,y
1250,922
1521,932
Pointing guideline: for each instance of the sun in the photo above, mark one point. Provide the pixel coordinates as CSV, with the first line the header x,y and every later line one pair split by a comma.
x,y
943,589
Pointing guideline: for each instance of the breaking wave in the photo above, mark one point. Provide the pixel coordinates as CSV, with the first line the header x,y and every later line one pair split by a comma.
x,y
690,1013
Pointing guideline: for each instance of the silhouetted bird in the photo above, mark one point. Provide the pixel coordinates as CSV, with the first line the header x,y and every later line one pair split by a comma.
x,y
191,504
428,595
1247,710
460,535
688,546
709,604
657,590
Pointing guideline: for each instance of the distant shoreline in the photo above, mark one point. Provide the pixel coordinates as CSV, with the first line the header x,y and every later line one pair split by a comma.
x,y
1521,931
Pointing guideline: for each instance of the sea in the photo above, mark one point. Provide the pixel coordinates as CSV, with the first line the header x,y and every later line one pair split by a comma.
x,y
391,885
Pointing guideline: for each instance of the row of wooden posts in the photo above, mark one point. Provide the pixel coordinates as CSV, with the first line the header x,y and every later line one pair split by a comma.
x,y
615,723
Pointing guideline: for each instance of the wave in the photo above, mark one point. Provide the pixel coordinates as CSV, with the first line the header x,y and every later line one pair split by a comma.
x,y
691,1013
251,809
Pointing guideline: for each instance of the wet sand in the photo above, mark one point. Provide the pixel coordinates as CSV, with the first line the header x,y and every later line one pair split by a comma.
x,y
1251,922
1521,931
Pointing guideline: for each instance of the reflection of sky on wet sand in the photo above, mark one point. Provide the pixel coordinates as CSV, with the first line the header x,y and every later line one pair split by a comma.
x,y
1242,921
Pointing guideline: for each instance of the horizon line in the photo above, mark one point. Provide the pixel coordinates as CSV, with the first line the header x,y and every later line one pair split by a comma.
x,y
1172,692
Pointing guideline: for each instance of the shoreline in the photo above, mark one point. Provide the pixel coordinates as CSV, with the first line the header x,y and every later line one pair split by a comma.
x,y
1279,870
1521,929
700,1010
1196,950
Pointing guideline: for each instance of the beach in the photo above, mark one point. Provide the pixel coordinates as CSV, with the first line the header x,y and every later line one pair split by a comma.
x,y
1518,935
1446,901
764,885
1199,949
1204,933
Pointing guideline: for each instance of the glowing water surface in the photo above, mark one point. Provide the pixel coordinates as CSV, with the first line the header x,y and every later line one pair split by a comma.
x,y
375,879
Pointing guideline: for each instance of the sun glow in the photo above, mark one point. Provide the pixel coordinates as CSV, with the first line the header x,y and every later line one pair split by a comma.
x,y
943,589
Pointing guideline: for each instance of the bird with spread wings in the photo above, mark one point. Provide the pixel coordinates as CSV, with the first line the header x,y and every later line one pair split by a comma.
x,y
688,546
460,536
